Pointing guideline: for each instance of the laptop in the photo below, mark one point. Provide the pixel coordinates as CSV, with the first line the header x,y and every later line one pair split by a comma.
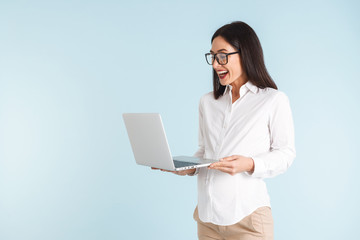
x,y
150,146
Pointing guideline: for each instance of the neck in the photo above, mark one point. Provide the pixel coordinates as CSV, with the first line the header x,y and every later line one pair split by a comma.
x,y
236,85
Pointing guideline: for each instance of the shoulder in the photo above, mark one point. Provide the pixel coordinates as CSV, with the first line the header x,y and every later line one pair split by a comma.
x,y
277,102
207,97
272,94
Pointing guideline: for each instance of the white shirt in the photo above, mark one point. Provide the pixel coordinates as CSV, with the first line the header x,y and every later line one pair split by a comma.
x,y
258,125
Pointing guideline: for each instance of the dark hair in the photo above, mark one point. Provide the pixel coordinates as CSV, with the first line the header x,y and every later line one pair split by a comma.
x,y
243,38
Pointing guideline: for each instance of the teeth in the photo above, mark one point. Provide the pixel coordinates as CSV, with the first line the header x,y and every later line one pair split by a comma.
x,y
222,72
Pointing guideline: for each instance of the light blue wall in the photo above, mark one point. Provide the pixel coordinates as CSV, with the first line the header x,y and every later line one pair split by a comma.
x,y
69,69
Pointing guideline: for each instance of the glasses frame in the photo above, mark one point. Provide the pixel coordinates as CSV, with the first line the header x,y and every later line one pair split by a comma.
x,y
217,59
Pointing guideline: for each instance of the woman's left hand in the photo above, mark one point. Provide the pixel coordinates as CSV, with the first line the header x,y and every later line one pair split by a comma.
x,y
234,164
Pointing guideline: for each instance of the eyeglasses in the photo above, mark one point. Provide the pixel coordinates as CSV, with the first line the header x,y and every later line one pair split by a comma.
x,y
221,58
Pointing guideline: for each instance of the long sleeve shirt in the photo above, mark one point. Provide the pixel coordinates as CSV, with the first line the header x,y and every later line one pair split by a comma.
x,y
258,125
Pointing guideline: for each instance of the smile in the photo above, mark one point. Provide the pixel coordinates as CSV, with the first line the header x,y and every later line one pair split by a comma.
x,y
222,74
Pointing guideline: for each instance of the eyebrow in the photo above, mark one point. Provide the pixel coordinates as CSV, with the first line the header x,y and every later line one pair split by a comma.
x,y
220,50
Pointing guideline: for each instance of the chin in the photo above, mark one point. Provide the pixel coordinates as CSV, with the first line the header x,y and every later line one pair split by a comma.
x,y
224,83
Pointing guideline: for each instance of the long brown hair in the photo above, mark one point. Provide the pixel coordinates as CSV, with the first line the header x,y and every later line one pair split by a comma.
x,y
243,38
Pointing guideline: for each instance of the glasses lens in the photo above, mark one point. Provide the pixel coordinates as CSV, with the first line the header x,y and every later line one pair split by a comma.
x,y
209,58
222,58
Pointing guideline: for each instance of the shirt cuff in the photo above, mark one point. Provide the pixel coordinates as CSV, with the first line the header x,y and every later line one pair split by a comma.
x,y
259,168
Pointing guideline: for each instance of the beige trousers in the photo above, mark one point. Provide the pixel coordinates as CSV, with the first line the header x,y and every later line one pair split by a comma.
x,y
256,226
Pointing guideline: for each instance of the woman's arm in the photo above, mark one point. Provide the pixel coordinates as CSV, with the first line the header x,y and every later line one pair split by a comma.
x,y
282,141
282,146
234,164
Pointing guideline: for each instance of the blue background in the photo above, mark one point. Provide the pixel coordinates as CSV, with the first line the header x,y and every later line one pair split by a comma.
x,y
69,69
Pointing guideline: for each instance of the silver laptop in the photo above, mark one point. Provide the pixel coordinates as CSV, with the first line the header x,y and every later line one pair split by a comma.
x,y
150,146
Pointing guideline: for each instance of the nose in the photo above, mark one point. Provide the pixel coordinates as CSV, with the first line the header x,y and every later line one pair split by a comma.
x,y
215,64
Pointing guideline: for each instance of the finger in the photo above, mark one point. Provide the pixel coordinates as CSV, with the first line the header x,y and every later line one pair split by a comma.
x,y
217,167
230,158
222,164
230,171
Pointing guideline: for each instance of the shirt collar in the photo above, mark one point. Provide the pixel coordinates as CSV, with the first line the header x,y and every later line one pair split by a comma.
x,y
251,87
248,85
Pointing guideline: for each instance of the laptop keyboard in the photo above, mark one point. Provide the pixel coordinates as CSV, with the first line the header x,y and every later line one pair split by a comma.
x,y
179,164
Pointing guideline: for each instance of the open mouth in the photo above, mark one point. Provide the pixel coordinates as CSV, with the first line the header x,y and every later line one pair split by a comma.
x,y
222,74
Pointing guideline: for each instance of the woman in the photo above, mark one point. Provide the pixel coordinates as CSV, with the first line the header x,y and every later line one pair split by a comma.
x,y
247,124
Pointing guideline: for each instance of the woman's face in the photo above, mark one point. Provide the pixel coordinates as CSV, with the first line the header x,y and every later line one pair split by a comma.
x,y
230,73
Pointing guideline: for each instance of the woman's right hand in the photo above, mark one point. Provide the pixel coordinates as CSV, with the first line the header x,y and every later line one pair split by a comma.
x,y
181,173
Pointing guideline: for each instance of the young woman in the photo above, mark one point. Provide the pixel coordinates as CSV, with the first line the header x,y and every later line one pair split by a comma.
x,y
246,123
